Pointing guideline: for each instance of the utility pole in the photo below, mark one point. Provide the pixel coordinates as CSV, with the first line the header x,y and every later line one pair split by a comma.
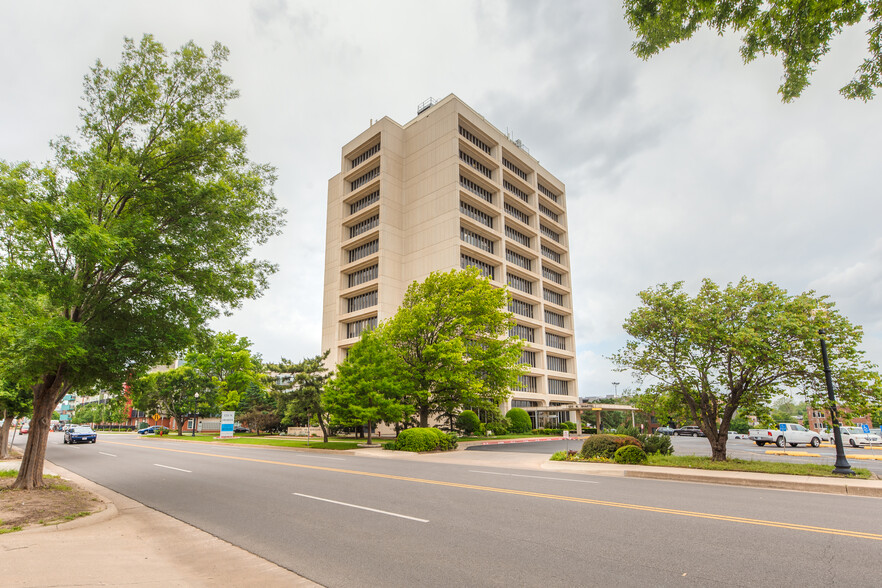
x,y
616,389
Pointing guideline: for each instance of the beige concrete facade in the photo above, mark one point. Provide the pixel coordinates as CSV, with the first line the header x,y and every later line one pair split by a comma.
x,y
444,191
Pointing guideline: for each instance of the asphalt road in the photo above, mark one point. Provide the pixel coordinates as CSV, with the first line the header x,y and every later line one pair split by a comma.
x,y
737,448
354,520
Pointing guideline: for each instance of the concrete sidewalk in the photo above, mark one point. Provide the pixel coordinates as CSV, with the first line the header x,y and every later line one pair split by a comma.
x,y
129,544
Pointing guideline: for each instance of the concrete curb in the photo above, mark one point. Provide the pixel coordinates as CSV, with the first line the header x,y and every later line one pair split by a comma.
x,y
844,486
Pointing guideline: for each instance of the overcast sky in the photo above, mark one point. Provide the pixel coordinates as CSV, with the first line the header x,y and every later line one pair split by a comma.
x,y
684,167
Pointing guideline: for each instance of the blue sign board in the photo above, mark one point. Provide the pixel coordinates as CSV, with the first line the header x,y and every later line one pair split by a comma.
x,y
865,427
782,426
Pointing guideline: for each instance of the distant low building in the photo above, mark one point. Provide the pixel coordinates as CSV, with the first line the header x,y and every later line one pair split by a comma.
x,y
820,418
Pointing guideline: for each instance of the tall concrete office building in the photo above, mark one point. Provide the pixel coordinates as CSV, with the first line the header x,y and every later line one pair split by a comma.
x,y
449,190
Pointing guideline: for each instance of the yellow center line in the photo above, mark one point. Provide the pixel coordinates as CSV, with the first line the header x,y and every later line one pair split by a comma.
x,y
655,509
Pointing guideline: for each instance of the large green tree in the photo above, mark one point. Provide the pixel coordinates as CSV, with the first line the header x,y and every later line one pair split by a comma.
x,y
115,254
451,338
799,31
174,393
710,354
227,362
300,397
365,389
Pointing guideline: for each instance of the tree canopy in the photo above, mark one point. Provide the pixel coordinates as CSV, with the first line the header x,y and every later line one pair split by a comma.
x,y
114,255
800,32
226,362
173,393
300,399
365,389
706,356
451,339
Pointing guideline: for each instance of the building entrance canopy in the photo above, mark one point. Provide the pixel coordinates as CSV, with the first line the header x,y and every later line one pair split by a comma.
x,y
597,408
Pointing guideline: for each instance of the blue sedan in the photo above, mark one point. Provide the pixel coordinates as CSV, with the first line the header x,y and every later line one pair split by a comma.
x,y
155,429
80,435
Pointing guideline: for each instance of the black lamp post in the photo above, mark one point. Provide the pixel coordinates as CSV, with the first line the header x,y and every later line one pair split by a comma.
x,y
842,465
195,414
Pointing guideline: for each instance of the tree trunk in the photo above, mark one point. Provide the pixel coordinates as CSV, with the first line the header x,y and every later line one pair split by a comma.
x,y
370,429
424,416
47,394
30,473
718,447
4,435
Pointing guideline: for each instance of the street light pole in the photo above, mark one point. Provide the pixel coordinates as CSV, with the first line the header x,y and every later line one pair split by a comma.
x,y
842,465
615,389
195,415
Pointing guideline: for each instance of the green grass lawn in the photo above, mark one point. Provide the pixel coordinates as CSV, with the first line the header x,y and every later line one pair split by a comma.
x,y
744,465
734,465
273,440
502,437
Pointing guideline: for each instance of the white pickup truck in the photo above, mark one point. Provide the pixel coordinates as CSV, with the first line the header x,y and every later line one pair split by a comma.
x,y
786,433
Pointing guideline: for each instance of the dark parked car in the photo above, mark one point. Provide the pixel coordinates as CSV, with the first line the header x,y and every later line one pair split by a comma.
x,y
690,431
664,431
154,430
240,429
80,435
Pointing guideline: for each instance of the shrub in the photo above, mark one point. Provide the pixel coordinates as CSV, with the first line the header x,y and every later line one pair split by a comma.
x,y
420,439
468,422
630,454
628,430
446,441
519,419
660,444
606,445
390,445
417,439
498,427
568,426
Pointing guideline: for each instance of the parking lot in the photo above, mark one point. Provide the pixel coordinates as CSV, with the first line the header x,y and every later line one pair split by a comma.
x,y
735,448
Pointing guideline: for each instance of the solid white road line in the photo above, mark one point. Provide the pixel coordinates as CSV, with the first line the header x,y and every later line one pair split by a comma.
x,y
539,477
107,454
391,514
159,465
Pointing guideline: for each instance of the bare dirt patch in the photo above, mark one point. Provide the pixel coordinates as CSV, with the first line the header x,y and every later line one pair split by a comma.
x,y
60,501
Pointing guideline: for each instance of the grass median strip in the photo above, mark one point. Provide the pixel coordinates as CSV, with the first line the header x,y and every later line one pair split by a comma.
x,y
750,465
525,493
273,441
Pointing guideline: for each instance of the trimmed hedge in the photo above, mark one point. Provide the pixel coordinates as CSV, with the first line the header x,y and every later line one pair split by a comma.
x,y
630,454
520,420
421,439
468,422
606,445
